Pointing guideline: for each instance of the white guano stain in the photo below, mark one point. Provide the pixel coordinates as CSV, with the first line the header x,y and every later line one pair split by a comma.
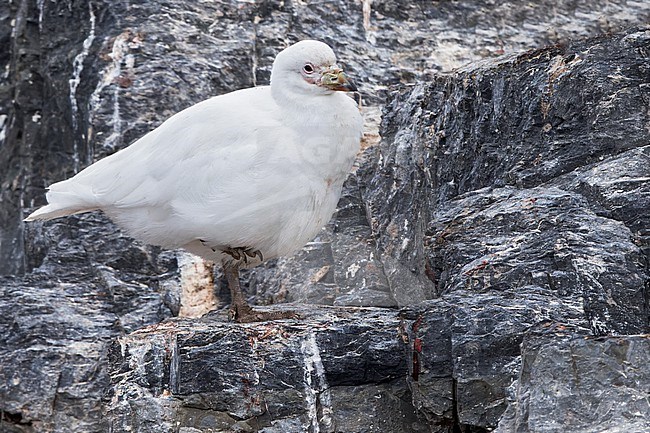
x,y
41,7
352,270
77,68
316,387
120,56
3,121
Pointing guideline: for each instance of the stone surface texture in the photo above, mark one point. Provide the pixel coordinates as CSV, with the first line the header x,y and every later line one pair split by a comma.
x,y
486,270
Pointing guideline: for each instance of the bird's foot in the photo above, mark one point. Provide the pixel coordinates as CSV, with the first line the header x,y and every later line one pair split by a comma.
x,y
246,314
237,253
243,253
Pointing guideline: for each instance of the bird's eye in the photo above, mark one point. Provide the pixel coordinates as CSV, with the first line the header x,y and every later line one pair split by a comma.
x,y
308,68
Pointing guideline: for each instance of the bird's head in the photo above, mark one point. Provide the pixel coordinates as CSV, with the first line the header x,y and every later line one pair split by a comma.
x,y
309,67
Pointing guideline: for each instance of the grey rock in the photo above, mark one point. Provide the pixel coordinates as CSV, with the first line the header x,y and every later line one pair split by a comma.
x,y
474,167
546,237
58,320
617,188
580,384
492,202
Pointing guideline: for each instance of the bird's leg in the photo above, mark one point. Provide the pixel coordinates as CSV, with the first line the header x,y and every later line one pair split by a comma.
x,y
238,306
240,311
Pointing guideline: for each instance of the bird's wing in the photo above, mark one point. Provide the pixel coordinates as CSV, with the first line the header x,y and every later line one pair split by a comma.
x,y
215,138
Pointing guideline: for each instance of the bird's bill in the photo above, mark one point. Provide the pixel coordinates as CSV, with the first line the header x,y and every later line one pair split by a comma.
x,y
335,79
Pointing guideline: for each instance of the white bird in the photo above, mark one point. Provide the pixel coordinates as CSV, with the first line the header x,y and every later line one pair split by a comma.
x,y
238,178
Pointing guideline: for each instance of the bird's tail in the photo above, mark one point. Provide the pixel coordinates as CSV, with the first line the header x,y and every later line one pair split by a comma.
x,y
62,201
52,211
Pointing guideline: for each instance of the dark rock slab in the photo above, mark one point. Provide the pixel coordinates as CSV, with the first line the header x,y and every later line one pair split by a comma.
x,y
464,351
618,188
298,375
445,364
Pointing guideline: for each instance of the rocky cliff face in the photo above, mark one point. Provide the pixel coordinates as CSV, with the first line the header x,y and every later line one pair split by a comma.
x,y
503,205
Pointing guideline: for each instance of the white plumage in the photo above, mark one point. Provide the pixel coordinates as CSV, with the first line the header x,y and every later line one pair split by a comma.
x,y
259,169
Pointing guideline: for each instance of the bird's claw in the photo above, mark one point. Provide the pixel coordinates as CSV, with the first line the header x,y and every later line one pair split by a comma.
x,y
243,253
237,253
